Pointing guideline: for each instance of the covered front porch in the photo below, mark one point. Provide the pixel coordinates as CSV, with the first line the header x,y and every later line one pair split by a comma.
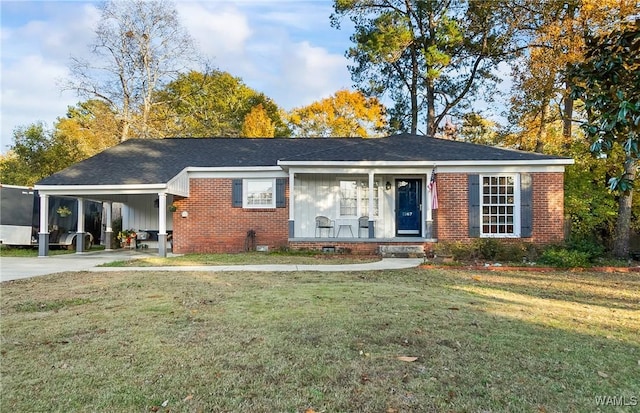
x,y
360,209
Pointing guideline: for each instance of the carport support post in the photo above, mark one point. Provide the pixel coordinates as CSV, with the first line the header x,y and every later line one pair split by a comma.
x,y
80,231
162,219
292,221
108,232
43,235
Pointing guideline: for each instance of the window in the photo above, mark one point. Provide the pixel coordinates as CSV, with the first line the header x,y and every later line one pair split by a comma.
x,y
258,193
354,198
499,200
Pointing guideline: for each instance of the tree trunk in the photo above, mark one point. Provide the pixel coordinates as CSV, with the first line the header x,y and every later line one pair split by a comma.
x,y
414,91
622,231
568,115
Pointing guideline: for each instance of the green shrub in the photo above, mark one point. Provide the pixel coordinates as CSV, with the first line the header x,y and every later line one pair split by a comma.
x,y
565,258
591,247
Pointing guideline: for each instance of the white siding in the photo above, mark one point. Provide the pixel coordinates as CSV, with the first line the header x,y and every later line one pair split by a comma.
x,y
139,212
319,194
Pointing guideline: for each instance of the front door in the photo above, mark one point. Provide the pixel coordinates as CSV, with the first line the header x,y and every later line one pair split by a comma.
x,y
408,207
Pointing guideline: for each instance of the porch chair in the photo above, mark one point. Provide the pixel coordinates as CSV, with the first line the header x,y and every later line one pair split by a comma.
x,y
323,222
363,223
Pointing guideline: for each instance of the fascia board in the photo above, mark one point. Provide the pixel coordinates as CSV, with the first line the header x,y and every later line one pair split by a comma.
x,y
495,168
400,164
100,189
231,168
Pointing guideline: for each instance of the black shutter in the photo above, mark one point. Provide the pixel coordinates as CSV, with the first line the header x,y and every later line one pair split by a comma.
x,y
474,206
236,192
280,200
526,206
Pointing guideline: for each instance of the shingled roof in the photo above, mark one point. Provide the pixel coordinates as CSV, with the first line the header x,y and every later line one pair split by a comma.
x,y
151,161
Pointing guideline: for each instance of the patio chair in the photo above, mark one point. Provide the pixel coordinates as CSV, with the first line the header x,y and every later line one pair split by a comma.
x,y
323,222
363,223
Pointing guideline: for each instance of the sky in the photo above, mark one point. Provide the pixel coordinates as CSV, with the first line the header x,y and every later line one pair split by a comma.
x,y
286,49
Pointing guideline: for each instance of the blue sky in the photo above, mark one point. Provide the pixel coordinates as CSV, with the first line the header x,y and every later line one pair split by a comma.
x,y
284,48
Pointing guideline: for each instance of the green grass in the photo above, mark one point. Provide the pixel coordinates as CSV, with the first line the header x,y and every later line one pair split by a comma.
x,y
290,257
7,251
287,342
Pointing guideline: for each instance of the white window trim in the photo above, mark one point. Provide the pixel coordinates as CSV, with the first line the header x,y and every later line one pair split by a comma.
x,y
359,205
516,206
245,193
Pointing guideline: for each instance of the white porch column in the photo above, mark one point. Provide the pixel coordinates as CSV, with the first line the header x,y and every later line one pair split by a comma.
x,y
108,232
43,235
372,233
291,204
80,230
162,220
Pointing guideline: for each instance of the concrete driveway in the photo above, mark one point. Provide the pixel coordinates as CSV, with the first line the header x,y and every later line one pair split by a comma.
x,y
15,268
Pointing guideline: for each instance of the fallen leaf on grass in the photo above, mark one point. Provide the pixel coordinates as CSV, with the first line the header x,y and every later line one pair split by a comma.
x,y
309,411
189,397
407,358
602,374
476,278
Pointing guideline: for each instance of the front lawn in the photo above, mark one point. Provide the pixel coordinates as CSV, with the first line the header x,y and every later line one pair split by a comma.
x,y
288,257
391,341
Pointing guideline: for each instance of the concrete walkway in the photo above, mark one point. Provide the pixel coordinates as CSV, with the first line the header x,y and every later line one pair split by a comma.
x,y
14,268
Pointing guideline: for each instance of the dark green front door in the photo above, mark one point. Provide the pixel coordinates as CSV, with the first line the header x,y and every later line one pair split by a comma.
x,y
408,207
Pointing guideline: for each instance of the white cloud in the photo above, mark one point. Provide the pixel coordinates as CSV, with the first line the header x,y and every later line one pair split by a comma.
x,y
35,57
219,31
286,50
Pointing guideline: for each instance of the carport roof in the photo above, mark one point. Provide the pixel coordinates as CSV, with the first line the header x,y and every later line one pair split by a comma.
x,y
153,161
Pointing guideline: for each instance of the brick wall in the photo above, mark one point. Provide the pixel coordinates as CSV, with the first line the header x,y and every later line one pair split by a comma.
x,y
213,225
548,207
451,220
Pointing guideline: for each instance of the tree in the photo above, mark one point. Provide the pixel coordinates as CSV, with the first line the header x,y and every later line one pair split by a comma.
x,y
477,129
608,82
555,31
35,154
345,114
427,56
257,124
90,126
139,46
208,104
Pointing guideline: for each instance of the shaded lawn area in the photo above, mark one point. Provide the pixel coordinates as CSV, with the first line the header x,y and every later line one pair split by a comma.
x,y
288,342
289,257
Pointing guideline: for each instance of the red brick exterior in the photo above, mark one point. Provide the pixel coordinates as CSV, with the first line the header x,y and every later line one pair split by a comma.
x,y
214,226
452,218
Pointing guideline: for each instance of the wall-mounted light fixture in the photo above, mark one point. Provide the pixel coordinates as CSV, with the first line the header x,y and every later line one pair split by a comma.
x,y
184,214
387,185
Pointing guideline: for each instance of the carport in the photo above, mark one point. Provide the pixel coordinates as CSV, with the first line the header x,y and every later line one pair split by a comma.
x,y
145,189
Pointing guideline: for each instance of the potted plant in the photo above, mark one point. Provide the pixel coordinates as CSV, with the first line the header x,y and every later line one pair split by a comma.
x,y
63,211
126,236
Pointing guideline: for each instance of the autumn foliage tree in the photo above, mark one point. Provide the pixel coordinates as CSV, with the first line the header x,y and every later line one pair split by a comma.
x,y
210,104
90,127
257,124
345,114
